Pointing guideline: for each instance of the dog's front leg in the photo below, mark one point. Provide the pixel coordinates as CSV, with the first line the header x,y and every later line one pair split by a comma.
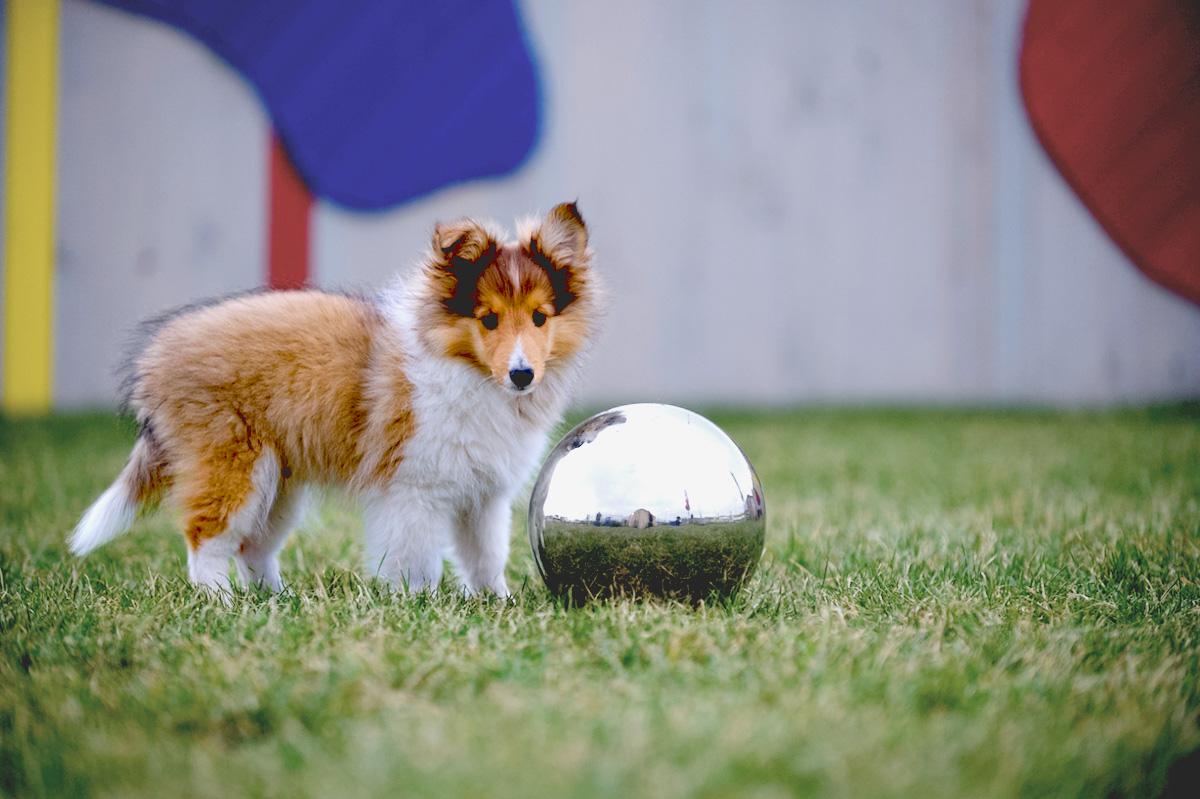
x,y
481,545
406,535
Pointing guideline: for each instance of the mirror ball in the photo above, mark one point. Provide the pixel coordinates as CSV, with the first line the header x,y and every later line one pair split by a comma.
x,y
646,500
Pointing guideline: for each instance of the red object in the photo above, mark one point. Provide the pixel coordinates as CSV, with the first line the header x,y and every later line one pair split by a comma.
x,y
291,206
1112,88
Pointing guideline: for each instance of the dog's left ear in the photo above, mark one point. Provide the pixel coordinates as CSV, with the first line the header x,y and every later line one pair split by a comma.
x,y
560,246
563,236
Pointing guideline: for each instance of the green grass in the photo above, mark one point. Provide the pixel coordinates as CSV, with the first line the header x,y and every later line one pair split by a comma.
x,y
951,604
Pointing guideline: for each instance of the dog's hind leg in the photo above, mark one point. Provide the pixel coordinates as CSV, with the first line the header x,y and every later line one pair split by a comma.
x,y
228,501
258,559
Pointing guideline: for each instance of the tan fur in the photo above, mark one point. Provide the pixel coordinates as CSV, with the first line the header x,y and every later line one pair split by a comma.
x,y
512,281
278,372
147,471
262,393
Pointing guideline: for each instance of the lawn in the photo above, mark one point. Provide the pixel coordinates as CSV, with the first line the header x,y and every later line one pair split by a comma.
x,y
951,604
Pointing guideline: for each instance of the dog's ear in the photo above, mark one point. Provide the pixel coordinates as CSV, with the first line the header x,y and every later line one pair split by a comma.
x,y
560,247
562,236
460,243
461,253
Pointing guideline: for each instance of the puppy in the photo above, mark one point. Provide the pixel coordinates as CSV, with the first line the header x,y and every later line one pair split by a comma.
x,y
431,402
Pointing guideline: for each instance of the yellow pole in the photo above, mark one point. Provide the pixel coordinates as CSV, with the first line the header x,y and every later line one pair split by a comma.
x,y
29,204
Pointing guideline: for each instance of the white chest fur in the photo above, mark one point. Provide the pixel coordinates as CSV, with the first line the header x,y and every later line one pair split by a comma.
x,y
472,447
470,436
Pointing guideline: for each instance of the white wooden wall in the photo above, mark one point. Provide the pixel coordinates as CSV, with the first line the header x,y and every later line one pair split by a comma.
x,y
792,201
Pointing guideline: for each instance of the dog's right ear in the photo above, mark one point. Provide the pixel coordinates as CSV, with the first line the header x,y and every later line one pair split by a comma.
x,y
461,243
461,253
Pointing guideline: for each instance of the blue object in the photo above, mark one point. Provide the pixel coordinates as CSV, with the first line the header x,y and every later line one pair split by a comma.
x,y
378,101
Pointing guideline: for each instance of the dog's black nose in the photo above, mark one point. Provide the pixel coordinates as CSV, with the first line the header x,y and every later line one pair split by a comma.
x,y
521,378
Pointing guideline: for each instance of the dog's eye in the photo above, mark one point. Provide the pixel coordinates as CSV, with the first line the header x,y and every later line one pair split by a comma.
x,y
490,321
539,318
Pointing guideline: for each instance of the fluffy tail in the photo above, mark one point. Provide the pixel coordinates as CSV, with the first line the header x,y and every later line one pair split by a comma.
x,y
140,485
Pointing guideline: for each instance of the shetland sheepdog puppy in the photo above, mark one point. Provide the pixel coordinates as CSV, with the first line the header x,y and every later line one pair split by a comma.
x,y
431,402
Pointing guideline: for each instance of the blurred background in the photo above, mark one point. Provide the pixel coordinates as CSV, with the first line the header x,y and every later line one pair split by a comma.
x,y
791,202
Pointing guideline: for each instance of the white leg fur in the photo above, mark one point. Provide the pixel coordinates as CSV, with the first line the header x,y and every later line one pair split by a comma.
x,y
258,560
481,546
406,536
208,564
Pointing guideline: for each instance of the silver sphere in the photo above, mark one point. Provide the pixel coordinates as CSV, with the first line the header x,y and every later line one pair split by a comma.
x,y
646,500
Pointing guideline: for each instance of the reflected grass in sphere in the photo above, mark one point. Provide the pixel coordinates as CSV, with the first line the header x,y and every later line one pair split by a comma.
x,y
646,500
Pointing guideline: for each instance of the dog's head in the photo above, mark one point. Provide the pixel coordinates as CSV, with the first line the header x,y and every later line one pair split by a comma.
x,y
511,310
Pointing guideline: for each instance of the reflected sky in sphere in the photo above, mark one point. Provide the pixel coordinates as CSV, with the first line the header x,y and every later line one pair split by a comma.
x,y
664,459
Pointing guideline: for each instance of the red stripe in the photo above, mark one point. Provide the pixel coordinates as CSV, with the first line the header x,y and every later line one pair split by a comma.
x,y
291,204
